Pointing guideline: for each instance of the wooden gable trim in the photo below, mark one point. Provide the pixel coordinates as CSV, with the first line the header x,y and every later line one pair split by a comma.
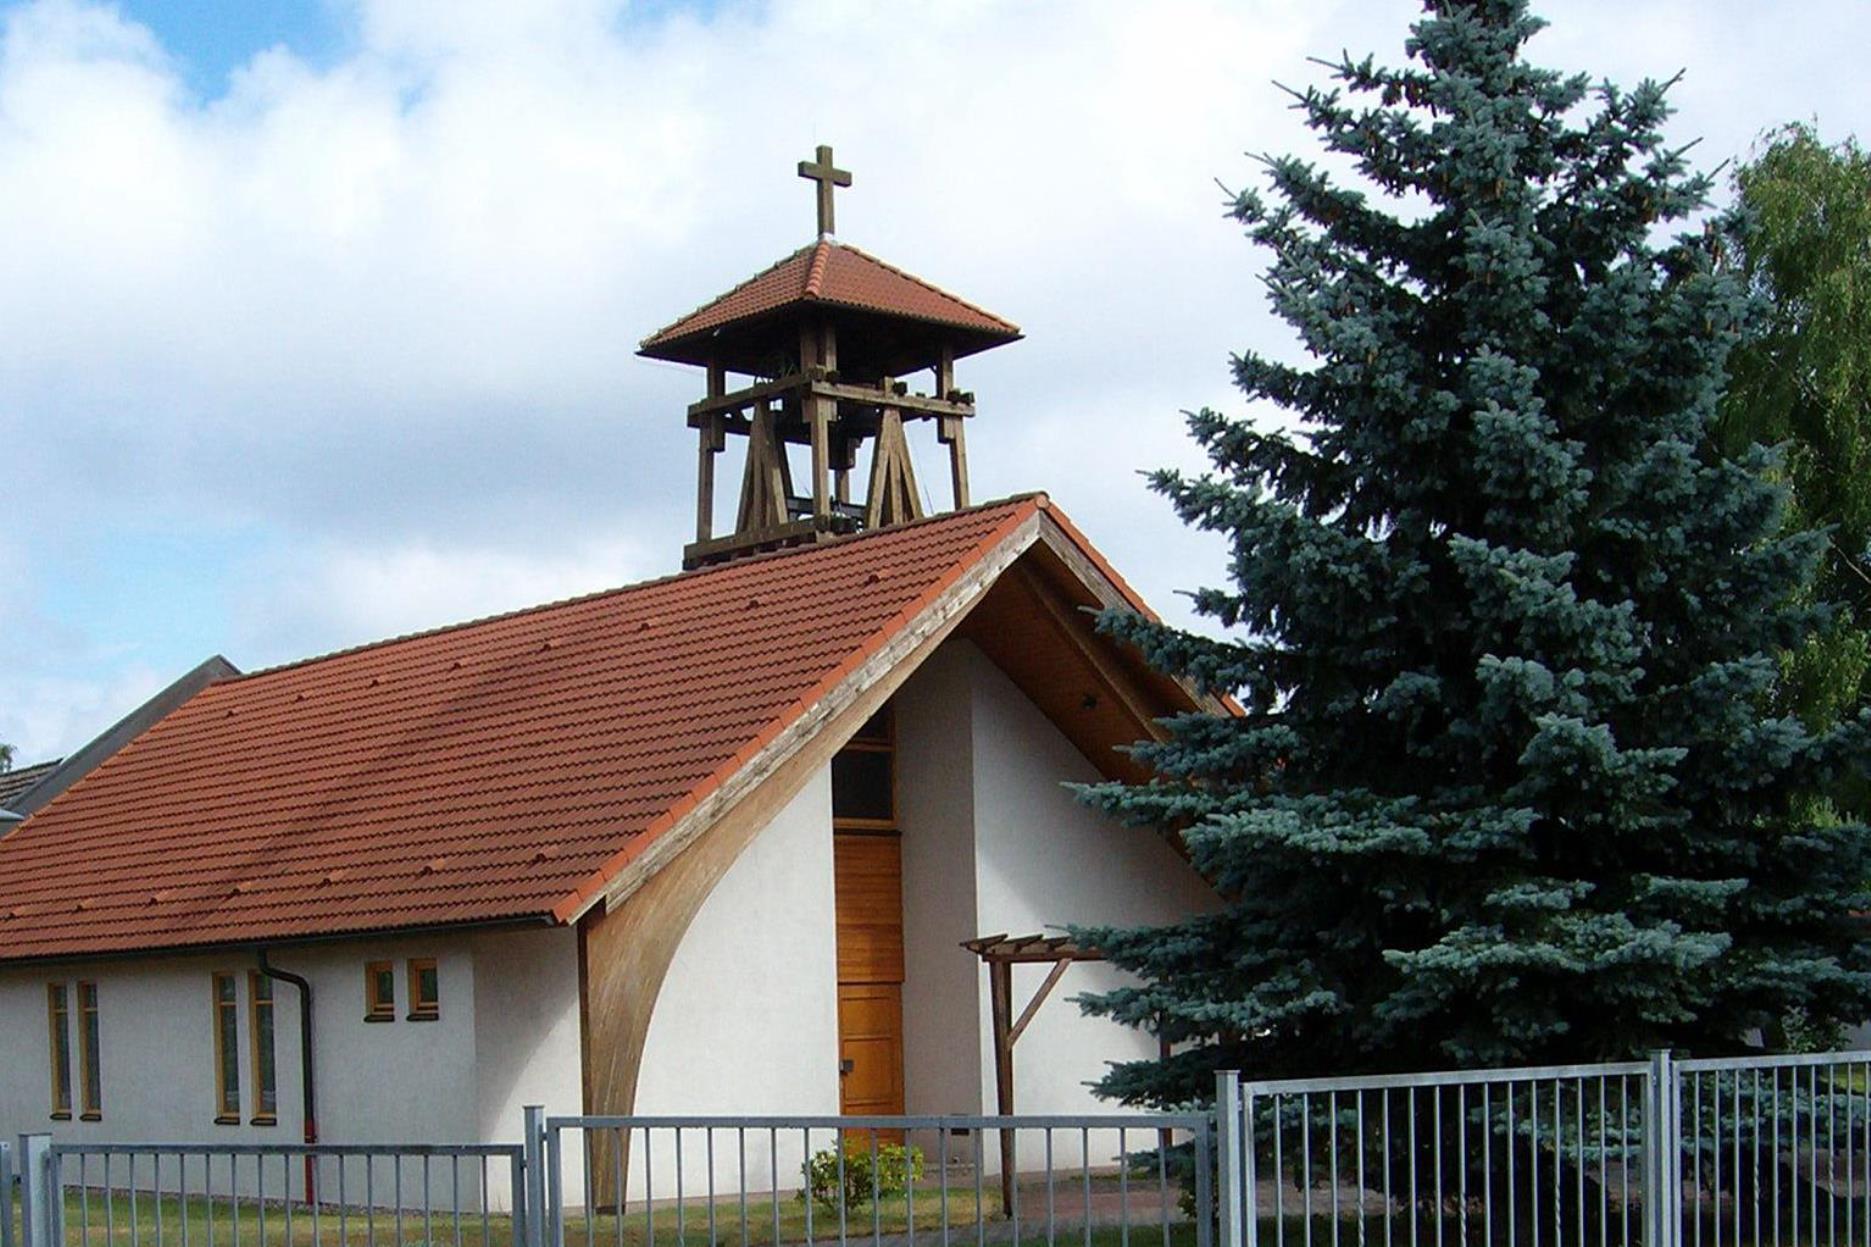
x,y
627,944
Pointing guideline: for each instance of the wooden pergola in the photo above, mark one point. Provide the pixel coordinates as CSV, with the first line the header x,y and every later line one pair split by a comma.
x,y
1001,953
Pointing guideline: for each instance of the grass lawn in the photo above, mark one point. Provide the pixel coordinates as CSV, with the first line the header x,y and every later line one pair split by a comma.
x,y
90,1222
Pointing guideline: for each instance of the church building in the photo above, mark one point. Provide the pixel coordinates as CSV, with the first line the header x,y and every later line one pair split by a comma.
x,y
768,835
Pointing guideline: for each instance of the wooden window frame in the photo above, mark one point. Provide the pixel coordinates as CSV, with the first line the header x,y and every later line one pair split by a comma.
x,y
885,743
226,1098
419,1009
58,1035
90,1059
256,984
376,1009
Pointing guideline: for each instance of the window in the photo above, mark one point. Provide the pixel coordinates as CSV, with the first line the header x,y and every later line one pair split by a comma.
x,y
379,992
260,1032
226,1051
425,990
59,1015
89,1063
864,777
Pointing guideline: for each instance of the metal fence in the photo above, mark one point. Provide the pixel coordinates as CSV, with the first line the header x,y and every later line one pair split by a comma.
x,y
1774,1150
275,1195
1734,1152
759,1181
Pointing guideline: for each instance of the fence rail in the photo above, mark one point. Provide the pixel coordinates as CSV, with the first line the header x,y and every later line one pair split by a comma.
x,y
760,1181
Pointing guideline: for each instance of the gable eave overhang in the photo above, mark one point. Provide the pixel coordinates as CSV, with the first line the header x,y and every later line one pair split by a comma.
x,y
888,658
890,654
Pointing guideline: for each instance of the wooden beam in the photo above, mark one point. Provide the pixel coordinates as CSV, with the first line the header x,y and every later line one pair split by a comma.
x,y
1057,972
812,382
909,405
1097,582
1078,632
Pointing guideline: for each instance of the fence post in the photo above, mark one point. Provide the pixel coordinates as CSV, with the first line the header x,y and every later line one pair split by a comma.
x,y
6,1194
555,1191
1663,1187
38,1190
1228,1144
535,1175
1205,1183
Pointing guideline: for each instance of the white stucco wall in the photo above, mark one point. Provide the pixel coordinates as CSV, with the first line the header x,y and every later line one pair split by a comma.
x,y
942,1012
993,842
444,1081
747,1019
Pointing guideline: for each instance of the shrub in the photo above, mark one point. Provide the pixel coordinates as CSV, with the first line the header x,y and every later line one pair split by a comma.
x,y
871,1171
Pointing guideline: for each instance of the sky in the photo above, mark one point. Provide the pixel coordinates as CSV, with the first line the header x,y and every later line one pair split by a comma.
x,y
317,317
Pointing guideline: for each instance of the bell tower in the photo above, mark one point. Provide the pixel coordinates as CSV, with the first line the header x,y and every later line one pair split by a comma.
x,y
818,351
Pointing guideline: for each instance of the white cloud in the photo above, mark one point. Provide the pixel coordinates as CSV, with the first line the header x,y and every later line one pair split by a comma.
x,y
349,595
384,309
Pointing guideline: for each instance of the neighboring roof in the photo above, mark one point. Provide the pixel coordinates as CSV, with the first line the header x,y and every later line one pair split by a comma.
x,y
502,770
20,778
57,777
835,274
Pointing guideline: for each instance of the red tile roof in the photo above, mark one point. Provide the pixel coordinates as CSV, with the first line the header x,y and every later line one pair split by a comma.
x,y
498,770
832,272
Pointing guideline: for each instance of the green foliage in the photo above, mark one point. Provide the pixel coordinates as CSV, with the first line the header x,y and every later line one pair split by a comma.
x,y
866,1171
1505,630
1802,244
6,757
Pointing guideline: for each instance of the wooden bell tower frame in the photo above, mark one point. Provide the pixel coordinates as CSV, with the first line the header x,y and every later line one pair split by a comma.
x,y
775,380
837,419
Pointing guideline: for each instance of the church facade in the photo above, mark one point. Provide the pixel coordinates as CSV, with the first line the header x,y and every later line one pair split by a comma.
x,y
737,841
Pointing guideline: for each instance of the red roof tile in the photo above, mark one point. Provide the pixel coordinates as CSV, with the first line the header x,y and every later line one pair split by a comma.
x,y
835,273
491,771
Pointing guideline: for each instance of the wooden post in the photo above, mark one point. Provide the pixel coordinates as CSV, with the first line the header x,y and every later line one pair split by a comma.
x,y
819,411
847,450
713,441
1000,995
950,431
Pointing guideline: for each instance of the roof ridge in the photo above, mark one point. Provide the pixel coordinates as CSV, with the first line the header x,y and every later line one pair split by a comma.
x,y
617,590
928,285
815,273
780,263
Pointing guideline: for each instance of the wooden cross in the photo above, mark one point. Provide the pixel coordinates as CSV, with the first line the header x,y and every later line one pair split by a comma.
x,y
828,177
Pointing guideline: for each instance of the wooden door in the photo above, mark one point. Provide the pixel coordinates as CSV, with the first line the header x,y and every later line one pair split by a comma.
x,y
870,1048
868,869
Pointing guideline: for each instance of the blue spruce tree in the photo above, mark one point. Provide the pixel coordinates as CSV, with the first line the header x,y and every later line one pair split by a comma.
x,y
1506,786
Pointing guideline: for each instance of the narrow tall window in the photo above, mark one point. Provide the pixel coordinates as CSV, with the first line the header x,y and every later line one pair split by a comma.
x,y
90,1065
425,990
380,992
260,1029
59,1012
226,1051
